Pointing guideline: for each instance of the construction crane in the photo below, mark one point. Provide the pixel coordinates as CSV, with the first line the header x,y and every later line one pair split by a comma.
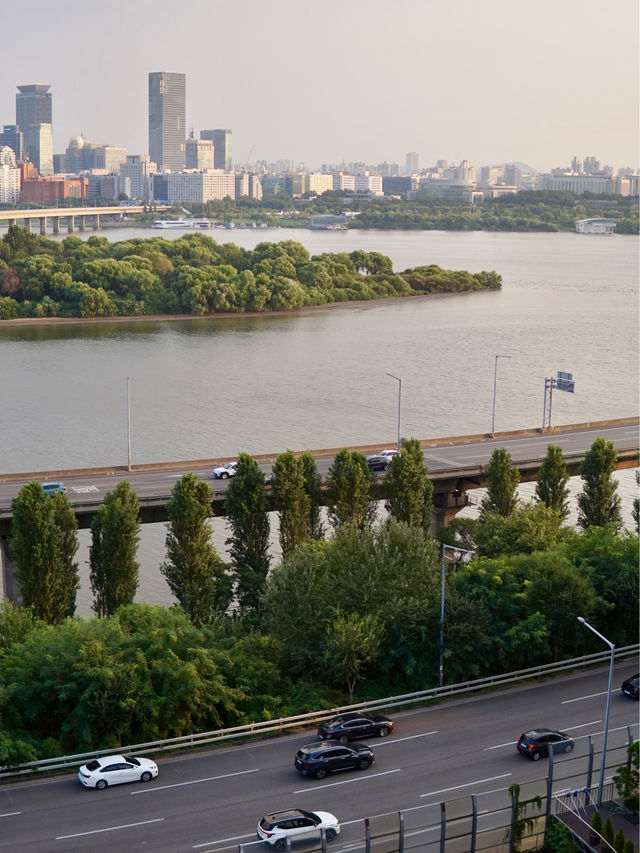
x,y
246,162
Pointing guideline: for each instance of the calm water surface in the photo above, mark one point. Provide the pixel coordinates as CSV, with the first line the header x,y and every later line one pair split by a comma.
x,y
216,387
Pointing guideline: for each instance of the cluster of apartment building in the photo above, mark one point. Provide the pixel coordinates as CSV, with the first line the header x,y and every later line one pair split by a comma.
x,y
181,168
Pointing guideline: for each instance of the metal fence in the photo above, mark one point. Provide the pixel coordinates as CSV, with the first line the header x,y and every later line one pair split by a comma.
x,y
314,717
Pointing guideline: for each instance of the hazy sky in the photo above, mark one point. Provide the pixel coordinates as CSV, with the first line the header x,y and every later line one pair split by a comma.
x,y
323,81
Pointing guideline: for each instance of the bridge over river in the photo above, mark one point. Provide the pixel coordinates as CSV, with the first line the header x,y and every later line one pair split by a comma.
x,y
456,465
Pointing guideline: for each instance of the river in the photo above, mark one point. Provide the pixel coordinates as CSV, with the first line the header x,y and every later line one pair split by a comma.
x,y
215,387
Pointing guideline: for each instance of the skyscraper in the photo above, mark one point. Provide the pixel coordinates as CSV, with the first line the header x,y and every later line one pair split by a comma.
x,y
167,120
221,146
412,162
33,118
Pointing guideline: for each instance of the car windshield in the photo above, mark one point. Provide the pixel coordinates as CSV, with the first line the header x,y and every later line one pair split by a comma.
x,y
93,765
132,760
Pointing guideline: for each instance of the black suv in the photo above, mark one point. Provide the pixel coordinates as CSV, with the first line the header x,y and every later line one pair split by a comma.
x,y
535,744
346,727
318,759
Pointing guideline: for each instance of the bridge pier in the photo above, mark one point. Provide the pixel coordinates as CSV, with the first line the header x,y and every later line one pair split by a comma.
x,y
43,225
81,223
9,587
70,223
27,224
56,224
96,221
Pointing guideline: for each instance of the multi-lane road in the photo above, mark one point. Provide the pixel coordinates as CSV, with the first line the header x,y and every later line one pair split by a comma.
x,y
458,456
210,800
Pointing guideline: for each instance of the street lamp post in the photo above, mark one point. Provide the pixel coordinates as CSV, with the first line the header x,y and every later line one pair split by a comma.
x,y
606,715
129,379
495,383
441,664
399,381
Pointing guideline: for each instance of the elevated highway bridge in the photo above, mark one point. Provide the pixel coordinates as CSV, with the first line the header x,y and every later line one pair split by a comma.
x,y
455,465
75,218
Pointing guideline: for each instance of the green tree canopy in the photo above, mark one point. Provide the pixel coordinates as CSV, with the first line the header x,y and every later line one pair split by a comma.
x,y
598,502
43,543
408,489
291,500
349,484
246,510
115,533
553,476
194,571
502,481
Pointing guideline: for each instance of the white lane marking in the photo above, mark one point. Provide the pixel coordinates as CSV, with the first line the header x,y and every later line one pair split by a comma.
x,y
500,745
109,829
446,461
84,490
409,737
10,814
512,742
466,785
192,782
580,698
223,840
347,781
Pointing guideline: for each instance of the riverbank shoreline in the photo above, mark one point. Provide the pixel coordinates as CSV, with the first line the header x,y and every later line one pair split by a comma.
x,y
227,315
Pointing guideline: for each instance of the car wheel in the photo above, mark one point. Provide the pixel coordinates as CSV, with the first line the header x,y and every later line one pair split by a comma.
x,y
344,740
363,765
568,747
320,774
384,731
281,844
224,476
536,756
101,784
146,776
330,834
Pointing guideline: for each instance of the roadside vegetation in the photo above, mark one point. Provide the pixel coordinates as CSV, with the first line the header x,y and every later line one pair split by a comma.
x,y
349,613
196,275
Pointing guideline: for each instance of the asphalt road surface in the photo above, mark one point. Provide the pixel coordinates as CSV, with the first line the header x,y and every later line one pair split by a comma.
x,y
213,799
87,488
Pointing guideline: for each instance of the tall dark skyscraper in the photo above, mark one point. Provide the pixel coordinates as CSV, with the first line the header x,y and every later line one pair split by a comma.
x,y
33,118
167,120
221,147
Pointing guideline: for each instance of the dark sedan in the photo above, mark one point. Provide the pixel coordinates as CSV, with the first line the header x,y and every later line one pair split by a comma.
x,y
382,460
346,727
318,759
630,686
535,744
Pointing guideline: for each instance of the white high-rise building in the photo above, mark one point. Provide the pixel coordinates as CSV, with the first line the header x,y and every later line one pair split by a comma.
x,y
195,186
9,177
136,173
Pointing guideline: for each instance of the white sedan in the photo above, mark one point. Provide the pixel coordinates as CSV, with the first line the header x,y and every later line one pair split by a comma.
x,y
116,769
225,471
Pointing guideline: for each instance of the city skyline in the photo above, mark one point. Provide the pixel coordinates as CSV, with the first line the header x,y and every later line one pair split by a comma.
x,y
487,83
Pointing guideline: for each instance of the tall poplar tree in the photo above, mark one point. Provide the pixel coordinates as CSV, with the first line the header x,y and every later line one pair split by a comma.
x,y
43,544
194,571
551,486
598,502
115,533
291,501
313,488
502,481
409,491
246,510
349,486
